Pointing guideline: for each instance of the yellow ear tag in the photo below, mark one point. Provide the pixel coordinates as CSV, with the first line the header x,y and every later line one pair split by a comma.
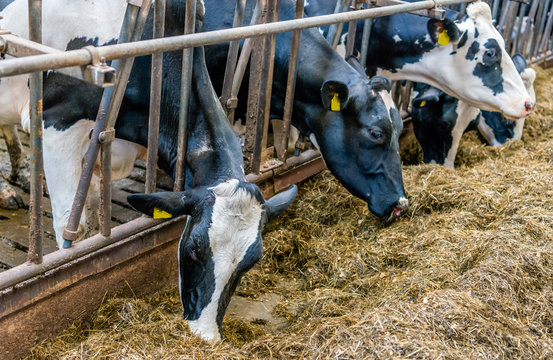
x,y
161,214
335,103
423,103
443,39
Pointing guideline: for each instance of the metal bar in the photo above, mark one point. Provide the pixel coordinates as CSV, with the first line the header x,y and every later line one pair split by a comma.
x,y
335,30
268,72
529,28
35,208
504,14
18,274
290,86
28,64
105,189
367,27
232,57
435,12
132,28
155,99
495,8
518,40
352,32
546,33
540,23
508,31
186,81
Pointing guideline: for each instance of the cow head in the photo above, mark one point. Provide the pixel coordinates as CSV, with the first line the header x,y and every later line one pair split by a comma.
x,y
495,128
358,137
466,58
221,241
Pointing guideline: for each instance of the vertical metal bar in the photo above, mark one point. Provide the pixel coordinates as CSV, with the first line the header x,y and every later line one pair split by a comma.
x,y
367,27
35,84
352,32
187,59
105,189
504,15
133,25
546,33
290,86
232,56
268,72
335,30
518,37
155,99
529,29
508,30
495,8
540,24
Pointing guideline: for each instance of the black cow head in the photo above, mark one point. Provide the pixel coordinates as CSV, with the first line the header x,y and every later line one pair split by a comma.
x,y
358,137
221,241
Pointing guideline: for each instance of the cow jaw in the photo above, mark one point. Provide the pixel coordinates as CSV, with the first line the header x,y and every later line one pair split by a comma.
x,y
234,229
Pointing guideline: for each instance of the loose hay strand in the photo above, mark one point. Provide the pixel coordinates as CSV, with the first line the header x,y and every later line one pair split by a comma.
x,y
467,274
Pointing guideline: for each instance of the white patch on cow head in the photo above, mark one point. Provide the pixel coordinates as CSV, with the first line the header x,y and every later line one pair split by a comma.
x,y
234,227
396,38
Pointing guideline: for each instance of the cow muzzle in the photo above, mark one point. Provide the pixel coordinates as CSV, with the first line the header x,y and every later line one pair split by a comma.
x,y
399,208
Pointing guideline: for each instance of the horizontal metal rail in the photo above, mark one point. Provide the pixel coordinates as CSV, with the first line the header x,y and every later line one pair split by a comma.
x,y
45,62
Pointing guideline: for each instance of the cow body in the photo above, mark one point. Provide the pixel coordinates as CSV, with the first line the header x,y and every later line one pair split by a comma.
x,y
440,120
473,66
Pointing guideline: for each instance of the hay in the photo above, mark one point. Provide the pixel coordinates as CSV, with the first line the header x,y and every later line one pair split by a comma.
x,y
466,274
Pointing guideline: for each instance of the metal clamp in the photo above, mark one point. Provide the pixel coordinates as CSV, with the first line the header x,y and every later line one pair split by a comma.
x,y
437,12
106,136
99,73
232,102
135,2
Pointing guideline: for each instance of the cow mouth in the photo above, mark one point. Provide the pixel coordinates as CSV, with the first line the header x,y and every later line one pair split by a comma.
x,y
398,209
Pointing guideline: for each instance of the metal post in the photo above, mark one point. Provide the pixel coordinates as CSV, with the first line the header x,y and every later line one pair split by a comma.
x,y
268,72
352,32
231,59
518,30
290,86
133,25
186,79
155,99
367,27
35,84
335,30
523,45
540,25
546,33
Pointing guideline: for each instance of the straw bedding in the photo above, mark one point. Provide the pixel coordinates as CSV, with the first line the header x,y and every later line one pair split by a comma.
x,y
466,274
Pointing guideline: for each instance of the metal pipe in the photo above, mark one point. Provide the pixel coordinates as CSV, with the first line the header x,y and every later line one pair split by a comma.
x,y
37,171
232,56
367,27
24,272
11,67
186,81
333,36
352,32
105,189
540,23
290,163
155,99
132,28
290,86
546,33
518,30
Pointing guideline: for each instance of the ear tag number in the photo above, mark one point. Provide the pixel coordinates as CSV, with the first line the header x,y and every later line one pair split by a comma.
x,y
423,103
335,103
443,39
161,214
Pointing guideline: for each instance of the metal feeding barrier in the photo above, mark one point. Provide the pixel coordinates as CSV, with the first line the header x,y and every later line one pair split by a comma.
x,y
267,159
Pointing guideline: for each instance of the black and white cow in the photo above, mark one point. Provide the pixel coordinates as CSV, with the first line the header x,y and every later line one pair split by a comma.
x,y
358,141
468,62
227,213
440,120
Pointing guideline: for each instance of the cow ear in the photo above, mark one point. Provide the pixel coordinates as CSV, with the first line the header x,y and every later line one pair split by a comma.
x,y
380,83
443,31
354,63
429,94
162,205
277,205
520,62
335,95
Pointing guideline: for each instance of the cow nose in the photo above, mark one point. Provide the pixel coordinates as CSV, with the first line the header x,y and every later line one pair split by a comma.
x,y
400,207
528,106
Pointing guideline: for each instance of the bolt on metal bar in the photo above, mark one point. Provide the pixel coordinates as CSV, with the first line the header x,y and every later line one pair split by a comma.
x,y
146,47
186,81
37,171
133,25
290,86
232,57
155,99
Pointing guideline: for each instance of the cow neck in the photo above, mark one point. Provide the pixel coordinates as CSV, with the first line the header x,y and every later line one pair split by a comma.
x,y
388,54
214,153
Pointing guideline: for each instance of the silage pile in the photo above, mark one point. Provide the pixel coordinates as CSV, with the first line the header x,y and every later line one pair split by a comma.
x,y
467,274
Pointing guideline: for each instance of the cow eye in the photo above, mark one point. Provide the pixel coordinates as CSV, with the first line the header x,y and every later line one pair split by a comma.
x,y
490,53
377,135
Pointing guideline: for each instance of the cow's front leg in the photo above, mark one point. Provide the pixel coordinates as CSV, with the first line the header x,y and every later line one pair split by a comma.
x,y
21,168
64,150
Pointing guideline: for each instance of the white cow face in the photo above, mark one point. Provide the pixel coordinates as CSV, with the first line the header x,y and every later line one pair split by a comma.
x,y
471,64
221,241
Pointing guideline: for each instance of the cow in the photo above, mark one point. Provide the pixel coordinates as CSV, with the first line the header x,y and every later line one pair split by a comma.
x,y
440,120
359,142
464,56
227,214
